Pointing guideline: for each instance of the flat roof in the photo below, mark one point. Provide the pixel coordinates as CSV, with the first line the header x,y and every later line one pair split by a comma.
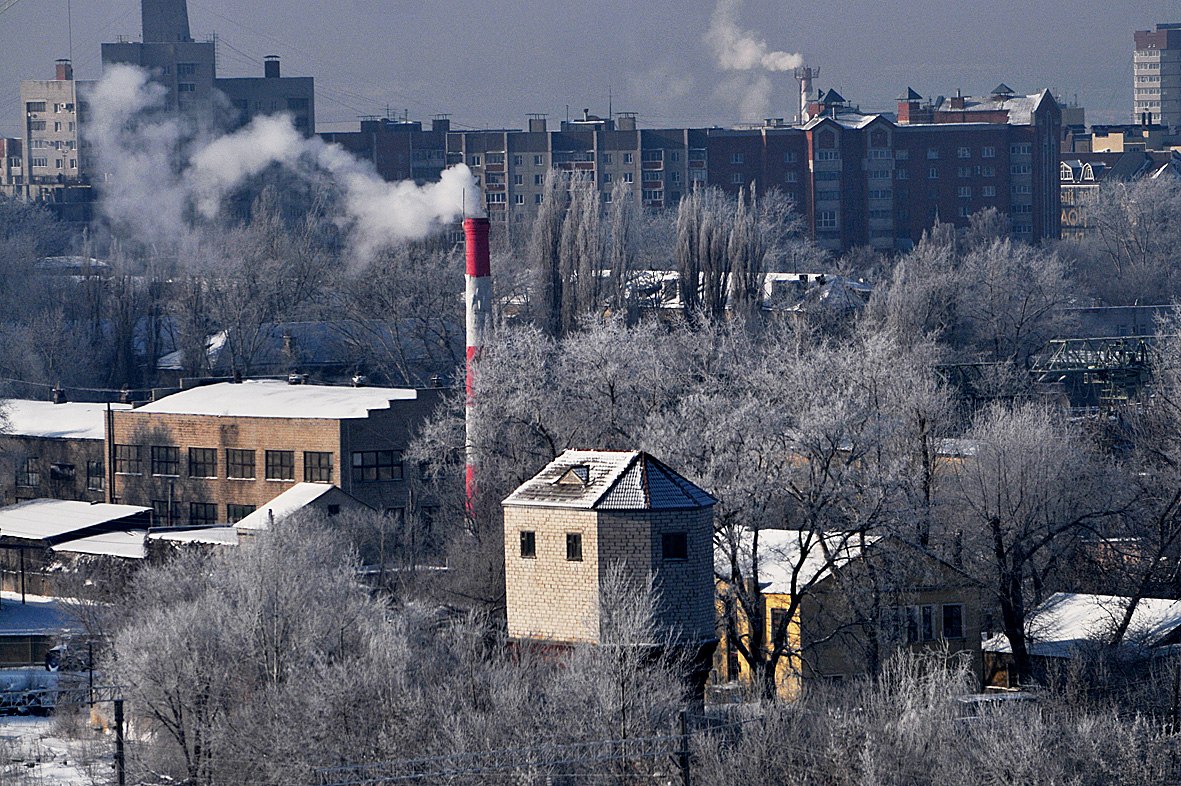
x,y
277,399
72,420
54,520
128,544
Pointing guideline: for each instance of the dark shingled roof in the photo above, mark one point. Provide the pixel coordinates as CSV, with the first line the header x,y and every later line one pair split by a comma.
x,y
609,480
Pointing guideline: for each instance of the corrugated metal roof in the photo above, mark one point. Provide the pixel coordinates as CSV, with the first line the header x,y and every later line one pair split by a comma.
x,y
609,480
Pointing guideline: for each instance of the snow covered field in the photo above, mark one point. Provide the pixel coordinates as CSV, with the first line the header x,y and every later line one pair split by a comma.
x,y
54,751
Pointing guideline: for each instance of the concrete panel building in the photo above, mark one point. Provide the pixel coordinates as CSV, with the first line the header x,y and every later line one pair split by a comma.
x,y
1156,76
589,513
217,453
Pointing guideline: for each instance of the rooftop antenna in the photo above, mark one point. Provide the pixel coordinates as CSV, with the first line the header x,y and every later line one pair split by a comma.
x,y
610,110
70,28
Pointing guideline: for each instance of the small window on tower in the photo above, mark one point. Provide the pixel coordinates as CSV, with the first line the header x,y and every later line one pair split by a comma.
x,y
674,545
574,547
528,544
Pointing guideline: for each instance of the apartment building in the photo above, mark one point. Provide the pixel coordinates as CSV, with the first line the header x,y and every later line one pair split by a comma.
x,y
216,453
1156,76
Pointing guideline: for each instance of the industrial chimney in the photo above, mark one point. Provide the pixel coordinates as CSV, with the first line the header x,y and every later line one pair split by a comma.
x,y
479,313
804,75
271,66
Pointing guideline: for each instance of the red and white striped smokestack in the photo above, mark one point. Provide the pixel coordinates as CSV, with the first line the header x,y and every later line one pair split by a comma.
x,y
479,312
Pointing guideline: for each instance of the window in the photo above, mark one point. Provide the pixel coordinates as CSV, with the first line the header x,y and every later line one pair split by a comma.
x,y
903,174
652,155
828,196
963,152
202,513
953,621
538,180
538,160
737,178
988,152
528,544
186,69
963,171
371,465
38,162
518,199
902,155
518,180
932,174
988,191
964,192
920,623
932,153
537,199
627,177
791,176
317,467
828,155
827,176
789,158
1021,149
880,193
61,471
186,87
164,515
236,513
473,160
826,219
606,158
574,547
778,623
127,460
280,465
165,460
494,158
880,154
652,195
96,477
240,464
202,462
606,177
674,545
675,156
29,474
35,106
496,199
518,160
629,158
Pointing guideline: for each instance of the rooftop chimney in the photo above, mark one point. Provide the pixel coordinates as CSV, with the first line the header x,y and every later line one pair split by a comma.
x,y
537,123
441,123
65,70
270,64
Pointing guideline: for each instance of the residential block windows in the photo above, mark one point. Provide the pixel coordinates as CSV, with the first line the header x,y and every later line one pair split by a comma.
x,y
240,464
202,513
932,152
988,152
574,547
965,192
828,155
202,462
186,69
127,460
165,460
236,513
528,544
317,467
736,158
538,160
96,476
280,465
964,152
374,465
629,158
987,191
826,219
674,545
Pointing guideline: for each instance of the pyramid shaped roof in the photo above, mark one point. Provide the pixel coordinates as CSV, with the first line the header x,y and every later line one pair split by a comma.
x,y
610,480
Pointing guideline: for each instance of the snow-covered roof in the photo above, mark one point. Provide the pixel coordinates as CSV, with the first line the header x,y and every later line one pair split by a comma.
x,y
1068,621
609,480
218,535
295,498
37,614
277,399
55,520
809,555
128,544
72,420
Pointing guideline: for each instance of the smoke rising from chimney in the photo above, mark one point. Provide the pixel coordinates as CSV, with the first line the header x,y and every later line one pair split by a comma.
x,y
746,55
162,176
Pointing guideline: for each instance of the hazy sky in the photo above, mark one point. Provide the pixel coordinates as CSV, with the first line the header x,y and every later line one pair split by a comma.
x,y
488,64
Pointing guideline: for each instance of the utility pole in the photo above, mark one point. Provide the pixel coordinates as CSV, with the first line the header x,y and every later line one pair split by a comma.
x,y
683,753
120,759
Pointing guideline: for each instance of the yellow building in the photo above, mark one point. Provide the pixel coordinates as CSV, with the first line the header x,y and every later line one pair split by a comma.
x,y
836,605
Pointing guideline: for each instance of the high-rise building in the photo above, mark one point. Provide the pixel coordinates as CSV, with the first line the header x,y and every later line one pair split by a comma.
x,y
52,168
1156,69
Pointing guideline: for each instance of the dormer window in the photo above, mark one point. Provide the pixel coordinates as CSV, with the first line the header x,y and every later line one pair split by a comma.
x,y
578,475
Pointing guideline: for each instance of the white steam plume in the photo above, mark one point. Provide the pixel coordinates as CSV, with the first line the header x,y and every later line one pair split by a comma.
x,y
147,190
743,50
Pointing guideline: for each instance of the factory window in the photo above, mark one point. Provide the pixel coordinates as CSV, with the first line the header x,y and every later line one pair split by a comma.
x,y
165,460
240,464
674,545
202,514
317,467
127,460
372,465
574,547
96,478
202,462
165,514
528,544
235,513
280,465
29,474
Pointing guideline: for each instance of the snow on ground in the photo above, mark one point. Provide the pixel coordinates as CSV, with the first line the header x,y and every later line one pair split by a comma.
x,y
54,752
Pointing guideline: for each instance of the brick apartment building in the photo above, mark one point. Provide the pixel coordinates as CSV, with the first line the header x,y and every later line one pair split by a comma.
x,y
859,179
216,453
